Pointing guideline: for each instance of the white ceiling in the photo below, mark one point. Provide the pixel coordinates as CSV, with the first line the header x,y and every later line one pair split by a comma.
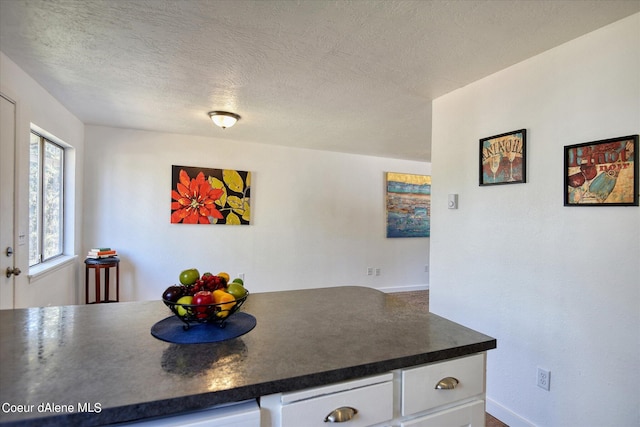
x,y
347,76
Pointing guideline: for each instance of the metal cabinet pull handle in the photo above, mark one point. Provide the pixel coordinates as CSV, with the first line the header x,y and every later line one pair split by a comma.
x,y
448,383
341,415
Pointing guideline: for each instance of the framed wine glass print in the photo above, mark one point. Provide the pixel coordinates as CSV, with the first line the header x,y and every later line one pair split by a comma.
x,y
602,173
503,158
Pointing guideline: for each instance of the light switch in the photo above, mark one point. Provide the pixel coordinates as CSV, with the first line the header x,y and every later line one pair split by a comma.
x,y
453,201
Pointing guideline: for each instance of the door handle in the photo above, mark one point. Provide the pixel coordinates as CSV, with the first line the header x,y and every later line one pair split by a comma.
x,y
15,271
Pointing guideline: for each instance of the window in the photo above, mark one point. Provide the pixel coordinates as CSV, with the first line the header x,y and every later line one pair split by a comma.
x,y
46,199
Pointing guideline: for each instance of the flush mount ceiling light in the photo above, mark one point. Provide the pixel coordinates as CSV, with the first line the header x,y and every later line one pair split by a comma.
x,y
224,119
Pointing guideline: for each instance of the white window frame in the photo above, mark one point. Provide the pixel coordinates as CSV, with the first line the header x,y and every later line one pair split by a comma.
x,y
51,265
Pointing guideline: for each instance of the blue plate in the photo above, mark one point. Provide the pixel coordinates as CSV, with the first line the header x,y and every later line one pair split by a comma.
x,y
171,330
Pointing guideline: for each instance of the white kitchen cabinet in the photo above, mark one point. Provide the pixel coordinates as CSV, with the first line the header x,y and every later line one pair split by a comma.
x,y
242,414
450,393
404,398
367,401
419,385
466,415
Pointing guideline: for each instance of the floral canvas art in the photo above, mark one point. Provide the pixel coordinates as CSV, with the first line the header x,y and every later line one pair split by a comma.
x,y
210,196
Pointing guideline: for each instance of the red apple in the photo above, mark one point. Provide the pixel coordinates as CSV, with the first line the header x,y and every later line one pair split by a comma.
x,y
202,298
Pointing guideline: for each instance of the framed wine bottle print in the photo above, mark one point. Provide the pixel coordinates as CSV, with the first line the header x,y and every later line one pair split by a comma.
x,y
503,158
602,173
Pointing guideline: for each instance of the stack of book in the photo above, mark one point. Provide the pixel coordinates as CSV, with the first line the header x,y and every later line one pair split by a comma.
x,y
101,253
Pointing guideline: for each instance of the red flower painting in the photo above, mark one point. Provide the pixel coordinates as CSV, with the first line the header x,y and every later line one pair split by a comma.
x,y
193,200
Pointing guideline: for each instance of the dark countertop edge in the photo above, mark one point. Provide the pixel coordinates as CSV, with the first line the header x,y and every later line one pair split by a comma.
x,y
196,402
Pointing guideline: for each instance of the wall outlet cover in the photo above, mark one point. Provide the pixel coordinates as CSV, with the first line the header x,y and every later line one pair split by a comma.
x,y
544,379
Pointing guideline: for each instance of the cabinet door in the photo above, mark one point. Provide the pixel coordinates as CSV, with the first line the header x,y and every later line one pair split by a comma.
x,y
374,405
419,392
467,415
244,414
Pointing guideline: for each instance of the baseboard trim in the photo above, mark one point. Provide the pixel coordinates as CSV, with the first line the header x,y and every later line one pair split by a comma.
x,y
506,416
407,288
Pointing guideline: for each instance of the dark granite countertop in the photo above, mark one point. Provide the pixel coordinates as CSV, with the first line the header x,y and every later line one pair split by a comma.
x,y
103,358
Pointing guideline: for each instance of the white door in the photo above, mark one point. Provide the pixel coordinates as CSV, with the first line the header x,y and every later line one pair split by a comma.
x,y
7,205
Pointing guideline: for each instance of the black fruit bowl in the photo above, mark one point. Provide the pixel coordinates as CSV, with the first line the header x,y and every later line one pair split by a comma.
x,y
208,313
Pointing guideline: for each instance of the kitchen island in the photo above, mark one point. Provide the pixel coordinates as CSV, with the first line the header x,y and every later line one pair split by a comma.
x,y
99,364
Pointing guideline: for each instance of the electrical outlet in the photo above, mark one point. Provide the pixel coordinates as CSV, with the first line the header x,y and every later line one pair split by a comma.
x,y
544,379
369,271
241,276
377,271
426,268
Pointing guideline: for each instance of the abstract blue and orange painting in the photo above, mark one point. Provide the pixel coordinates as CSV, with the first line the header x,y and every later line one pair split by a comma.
x,y
408,205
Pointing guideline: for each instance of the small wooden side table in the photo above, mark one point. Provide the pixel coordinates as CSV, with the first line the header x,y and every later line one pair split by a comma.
x,y
105,264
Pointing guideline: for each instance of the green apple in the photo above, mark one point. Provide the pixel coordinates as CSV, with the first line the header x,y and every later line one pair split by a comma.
x,y
238,280
236,289
182,311
189,276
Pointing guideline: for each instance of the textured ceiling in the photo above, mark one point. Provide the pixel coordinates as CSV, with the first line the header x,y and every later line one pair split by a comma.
x,y
347,76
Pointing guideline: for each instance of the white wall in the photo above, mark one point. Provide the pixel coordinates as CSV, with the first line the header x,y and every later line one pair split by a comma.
x,y
36,106
559,287
318,218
